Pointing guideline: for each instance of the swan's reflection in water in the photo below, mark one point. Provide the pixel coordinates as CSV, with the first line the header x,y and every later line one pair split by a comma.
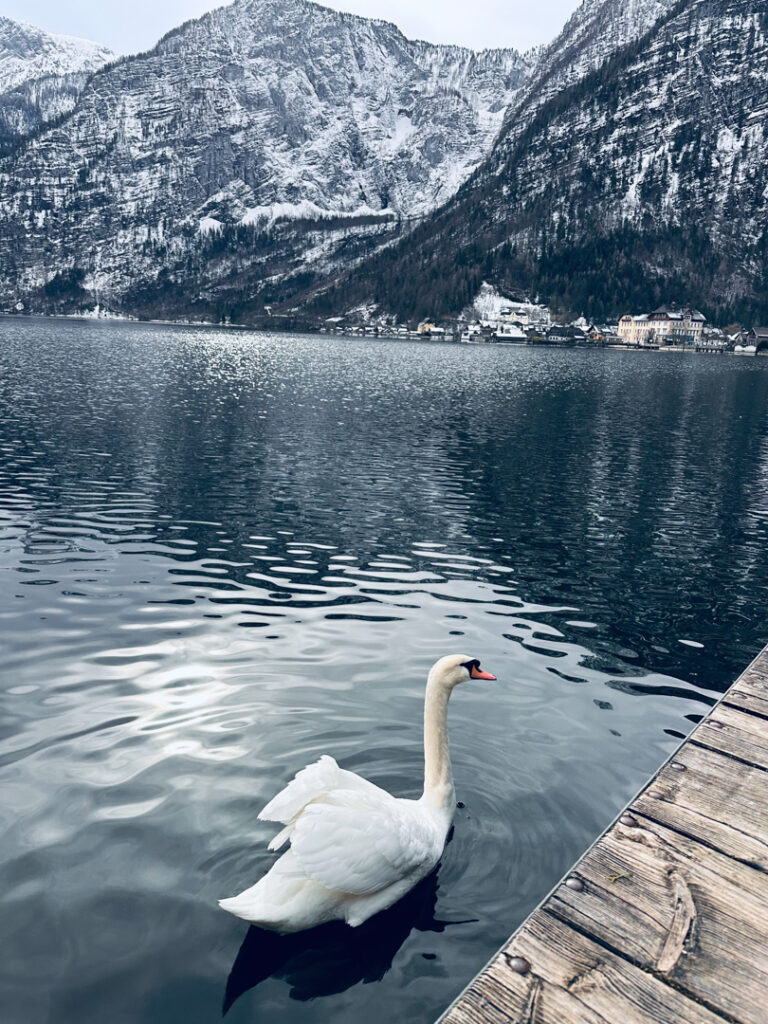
x,y
333,957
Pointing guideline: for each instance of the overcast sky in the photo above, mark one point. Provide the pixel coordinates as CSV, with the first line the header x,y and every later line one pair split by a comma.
x,y
128,26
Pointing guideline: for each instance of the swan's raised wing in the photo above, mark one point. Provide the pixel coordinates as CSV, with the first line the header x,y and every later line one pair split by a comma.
x,y
312,784
359,843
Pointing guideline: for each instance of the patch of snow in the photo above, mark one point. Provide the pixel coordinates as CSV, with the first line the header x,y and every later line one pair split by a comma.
x,y
305,210
489,302
404,128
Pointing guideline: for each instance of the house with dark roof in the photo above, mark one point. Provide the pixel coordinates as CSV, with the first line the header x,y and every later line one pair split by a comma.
x,y
758,337
566,334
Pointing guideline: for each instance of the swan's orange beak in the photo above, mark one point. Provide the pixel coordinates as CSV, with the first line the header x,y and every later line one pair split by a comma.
x,y
477,674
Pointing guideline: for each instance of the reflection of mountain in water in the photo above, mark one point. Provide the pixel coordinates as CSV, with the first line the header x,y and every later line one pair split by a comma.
x,y
333,957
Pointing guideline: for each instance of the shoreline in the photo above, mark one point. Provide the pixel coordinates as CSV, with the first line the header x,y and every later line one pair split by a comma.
x,y
200,324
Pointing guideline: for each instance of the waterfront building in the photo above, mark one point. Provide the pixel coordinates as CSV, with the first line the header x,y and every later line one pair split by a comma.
x,y
666,325
758,337
428,329
633,330
566,334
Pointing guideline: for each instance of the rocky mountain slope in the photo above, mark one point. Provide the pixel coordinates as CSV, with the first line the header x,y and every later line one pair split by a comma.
x,y
595,31
259,113
41,76
643,181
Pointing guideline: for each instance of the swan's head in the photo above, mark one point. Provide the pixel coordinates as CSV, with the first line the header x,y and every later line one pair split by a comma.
x,y
457,668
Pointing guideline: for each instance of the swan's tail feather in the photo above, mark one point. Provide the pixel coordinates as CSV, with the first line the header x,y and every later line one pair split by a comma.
x,y
246,909
284,900
256,906
231,905
293,916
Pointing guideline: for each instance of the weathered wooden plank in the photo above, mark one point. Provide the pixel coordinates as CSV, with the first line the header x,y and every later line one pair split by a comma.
x,y
732,732
572,980
747,700
714,799
477,1005
754,679
694,916
500,995
490,1002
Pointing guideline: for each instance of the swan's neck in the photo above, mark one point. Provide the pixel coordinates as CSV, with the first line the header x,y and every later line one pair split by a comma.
x,y
438,778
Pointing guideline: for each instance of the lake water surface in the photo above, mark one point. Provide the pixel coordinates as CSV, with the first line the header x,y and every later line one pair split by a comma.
x,y
226,553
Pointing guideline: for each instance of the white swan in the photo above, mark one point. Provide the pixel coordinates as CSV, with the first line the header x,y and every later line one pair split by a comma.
x,y
355,849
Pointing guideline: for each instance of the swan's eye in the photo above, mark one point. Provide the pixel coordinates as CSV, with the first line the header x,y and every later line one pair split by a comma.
x,y
475,672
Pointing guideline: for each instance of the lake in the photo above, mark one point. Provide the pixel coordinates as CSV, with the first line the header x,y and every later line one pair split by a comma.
x,y
226,553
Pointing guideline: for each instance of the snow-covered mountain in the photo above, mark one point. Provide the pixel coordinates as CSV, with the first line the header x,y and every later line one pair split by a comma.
x,y
260,153
596,30
28,53
643,181
41,76
260,111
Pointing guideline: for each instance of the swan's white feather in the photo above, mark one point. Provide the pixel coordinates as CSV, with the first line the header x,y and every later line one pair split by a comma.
x,y
359,843
312,783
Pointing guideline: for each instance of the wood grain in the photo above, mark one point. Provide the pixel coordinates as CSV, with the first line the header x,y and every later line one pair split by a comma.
x,y
678,908
755,678
693,802
734,733
572,979
748,700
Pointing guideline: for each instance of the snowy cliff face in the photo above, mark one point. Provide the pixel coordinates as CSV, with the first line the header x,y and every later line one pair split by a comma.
x,y
596,30
256,112
643,181
672,131
41,76
331,108
27,53
26,108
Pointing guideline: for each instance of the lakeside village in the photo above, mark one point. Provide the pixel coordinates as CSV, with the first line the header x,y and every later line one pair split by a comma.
x,y
504,322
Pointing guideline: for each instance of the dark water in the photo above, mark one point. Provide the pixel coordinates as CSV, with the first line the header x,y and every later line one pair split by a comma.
x,y
225,554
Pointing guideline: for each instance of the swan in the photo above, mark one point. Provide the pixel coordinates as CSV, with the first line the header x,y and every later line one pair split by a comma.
x,y
354,848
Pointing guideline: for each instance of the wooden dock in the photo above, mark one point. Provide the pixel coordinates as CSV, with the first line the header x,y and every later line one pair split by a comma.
x,y
665,918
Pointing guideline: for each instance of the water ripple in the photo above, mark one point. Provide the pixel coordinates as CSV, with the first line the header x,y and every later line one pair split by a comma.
x,y
225,555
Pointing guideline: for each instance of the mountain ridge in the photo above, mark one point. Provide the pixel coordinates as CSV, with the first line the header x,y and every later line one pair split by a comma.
x,y
278,153
28,52
42,75
264,103
672,204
